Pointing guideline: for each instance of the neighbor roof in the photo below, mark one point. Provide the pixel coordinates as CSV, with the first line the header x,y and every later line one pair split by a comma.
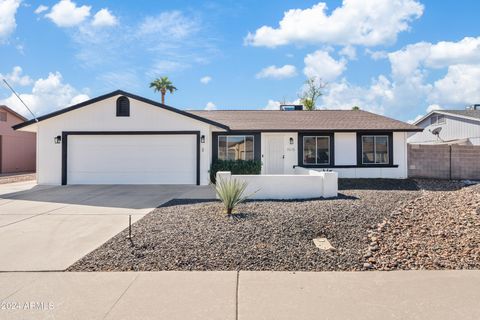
x,y
467,114
113,94
338,120
13,112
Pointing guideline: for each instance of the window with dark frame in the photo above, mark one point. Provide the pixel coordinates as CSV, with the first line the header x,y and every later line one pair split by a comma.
x,y
316,150
238,147
375,149
3,116
123,107
437,119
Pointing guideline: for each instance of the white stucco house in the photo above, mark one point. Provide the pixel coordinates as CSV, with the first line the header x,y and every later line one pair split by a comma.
x,y
449,127
122,138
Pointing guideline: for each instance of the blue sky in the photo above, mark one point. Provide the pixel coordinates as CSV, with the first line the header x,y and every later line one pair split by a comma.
x,y
400,58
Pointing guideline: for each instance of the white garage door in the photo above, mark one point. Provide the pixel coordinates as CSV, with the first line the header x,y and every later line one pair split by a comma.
x,y
131,159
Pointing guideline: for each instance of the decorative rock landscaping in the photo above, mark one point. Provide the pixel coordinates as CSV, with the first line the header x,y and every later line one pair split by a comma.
x,y
438,230
373,225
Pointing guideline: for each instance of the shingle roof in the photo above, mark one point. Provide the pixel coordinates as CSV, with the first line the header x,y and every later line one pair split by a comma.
x,y
339,120
466,113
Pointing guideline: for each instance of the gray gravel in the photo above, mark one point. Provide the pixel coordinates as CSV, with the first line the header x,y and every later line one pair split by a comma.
x,y
265,235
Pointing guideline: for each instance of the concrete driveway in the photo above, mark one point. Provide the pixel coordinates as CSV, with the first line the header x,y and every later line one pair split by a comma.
x,y
51,227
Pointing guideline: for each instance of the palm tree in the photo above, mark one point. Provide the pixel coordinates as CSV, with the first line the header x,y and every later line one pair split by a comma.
x,y
162,85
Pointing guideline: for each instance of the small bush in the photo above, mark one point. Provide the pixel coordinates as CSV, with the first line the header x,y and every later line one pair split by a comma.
x,y
231,193
235,167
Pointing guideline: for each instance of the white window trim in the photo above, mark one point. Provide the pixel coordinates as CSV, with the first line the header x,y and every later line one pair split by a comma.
x,y
375,149
244,141
316,148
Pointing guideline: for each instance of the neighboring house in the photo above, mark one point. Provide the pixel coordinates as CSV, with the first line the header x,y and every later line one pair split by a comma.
x,y
449,126
121,138
17,149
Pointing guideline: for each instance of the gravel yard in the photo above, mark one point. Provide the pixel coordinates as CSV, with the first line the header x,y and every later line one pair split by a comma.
x,y
438,230
373,225
266,235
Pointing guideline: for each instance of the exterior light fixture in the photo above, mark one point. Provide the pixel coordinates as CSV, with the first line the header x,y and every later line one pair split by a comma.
x,y
291,140
57,139
202,139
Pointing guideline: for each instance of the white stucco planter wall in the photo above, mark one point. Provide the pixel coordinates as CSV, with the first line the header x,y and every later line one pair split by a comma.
x,y
304,184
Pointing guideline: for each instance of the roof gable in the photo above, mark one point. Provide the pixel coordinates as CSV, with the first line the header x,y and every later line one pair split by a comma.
x,y
463,114
113,94
8,110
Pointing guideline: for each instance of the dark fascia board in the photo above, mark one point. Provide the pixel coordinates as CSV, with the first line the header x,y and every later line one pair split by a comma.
x,y
113,94
327,130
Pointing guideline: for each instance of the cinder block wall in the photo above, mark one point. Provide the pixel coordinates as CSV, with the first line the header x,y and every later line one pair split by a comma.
x,y
443,161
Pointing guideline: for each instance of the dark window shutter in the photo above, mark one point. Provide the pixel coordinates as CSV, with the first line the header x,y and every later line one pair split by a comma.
x,y
123,107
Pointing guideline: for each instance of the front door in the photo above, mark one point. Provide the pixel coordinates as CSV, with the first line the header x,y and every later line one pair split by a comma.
x,y
275,154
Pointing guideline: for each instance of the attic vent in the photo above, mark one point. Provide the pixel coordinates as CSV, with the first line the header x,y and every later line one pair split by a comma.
x,y
3,116
291,107
123,107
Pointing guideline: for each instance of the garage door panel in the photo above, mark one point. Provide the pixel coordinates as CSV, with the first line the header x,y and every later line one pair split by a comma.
x,y
131,159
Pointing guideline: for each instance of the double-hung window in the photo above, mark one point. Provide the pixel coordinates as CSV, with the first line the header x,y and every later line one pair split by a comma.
x,y
235,147
375,149
316,150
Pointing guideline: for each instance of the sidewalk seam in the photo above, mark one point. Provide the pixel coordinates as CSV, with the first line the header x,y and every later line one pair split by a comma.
x,y
120,297
236,295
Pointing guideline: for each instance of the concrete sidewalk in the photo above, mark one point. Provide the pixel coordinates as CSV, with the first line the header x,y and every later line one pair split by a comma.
x,y
243,295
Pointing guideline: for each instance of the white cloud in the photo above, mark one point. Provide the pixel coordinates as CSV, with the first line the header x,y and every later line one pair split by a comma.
x,y
272,105
210,106
377,55
47,95
171,24
163,67
206,79
320,64
440,55
104,18
16,77
8,9
433,107
356,22
41,8
349,52
274,72
66,13
344,95
460,86
412,121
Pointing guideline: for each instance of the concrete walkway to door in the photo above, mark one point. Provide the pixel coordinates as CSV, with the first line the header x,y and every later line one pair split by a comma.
x,y
242,296
51,227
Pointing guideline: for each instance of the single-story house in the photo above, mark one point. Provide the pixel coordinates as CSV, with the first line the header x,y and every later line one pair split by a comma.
x,y
122,138
17,149
449,127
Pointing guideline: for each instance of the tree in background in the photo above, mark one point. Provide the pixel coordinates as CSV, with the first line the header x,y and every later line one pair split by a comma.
x,y
162,85
312,90
355,108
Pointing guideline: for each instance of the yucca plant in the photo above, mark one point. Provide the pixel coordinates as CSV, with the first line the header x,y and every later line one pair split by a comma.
x,y
231,192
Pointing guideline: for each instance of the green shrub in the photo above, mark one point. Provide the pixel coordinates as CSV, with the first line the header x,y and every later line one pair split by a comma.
x,y
235,167
231,193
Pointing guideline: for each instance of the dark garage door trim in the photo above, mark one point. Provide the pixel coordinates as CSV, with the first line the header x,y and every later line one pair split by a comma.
x,y
65,135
